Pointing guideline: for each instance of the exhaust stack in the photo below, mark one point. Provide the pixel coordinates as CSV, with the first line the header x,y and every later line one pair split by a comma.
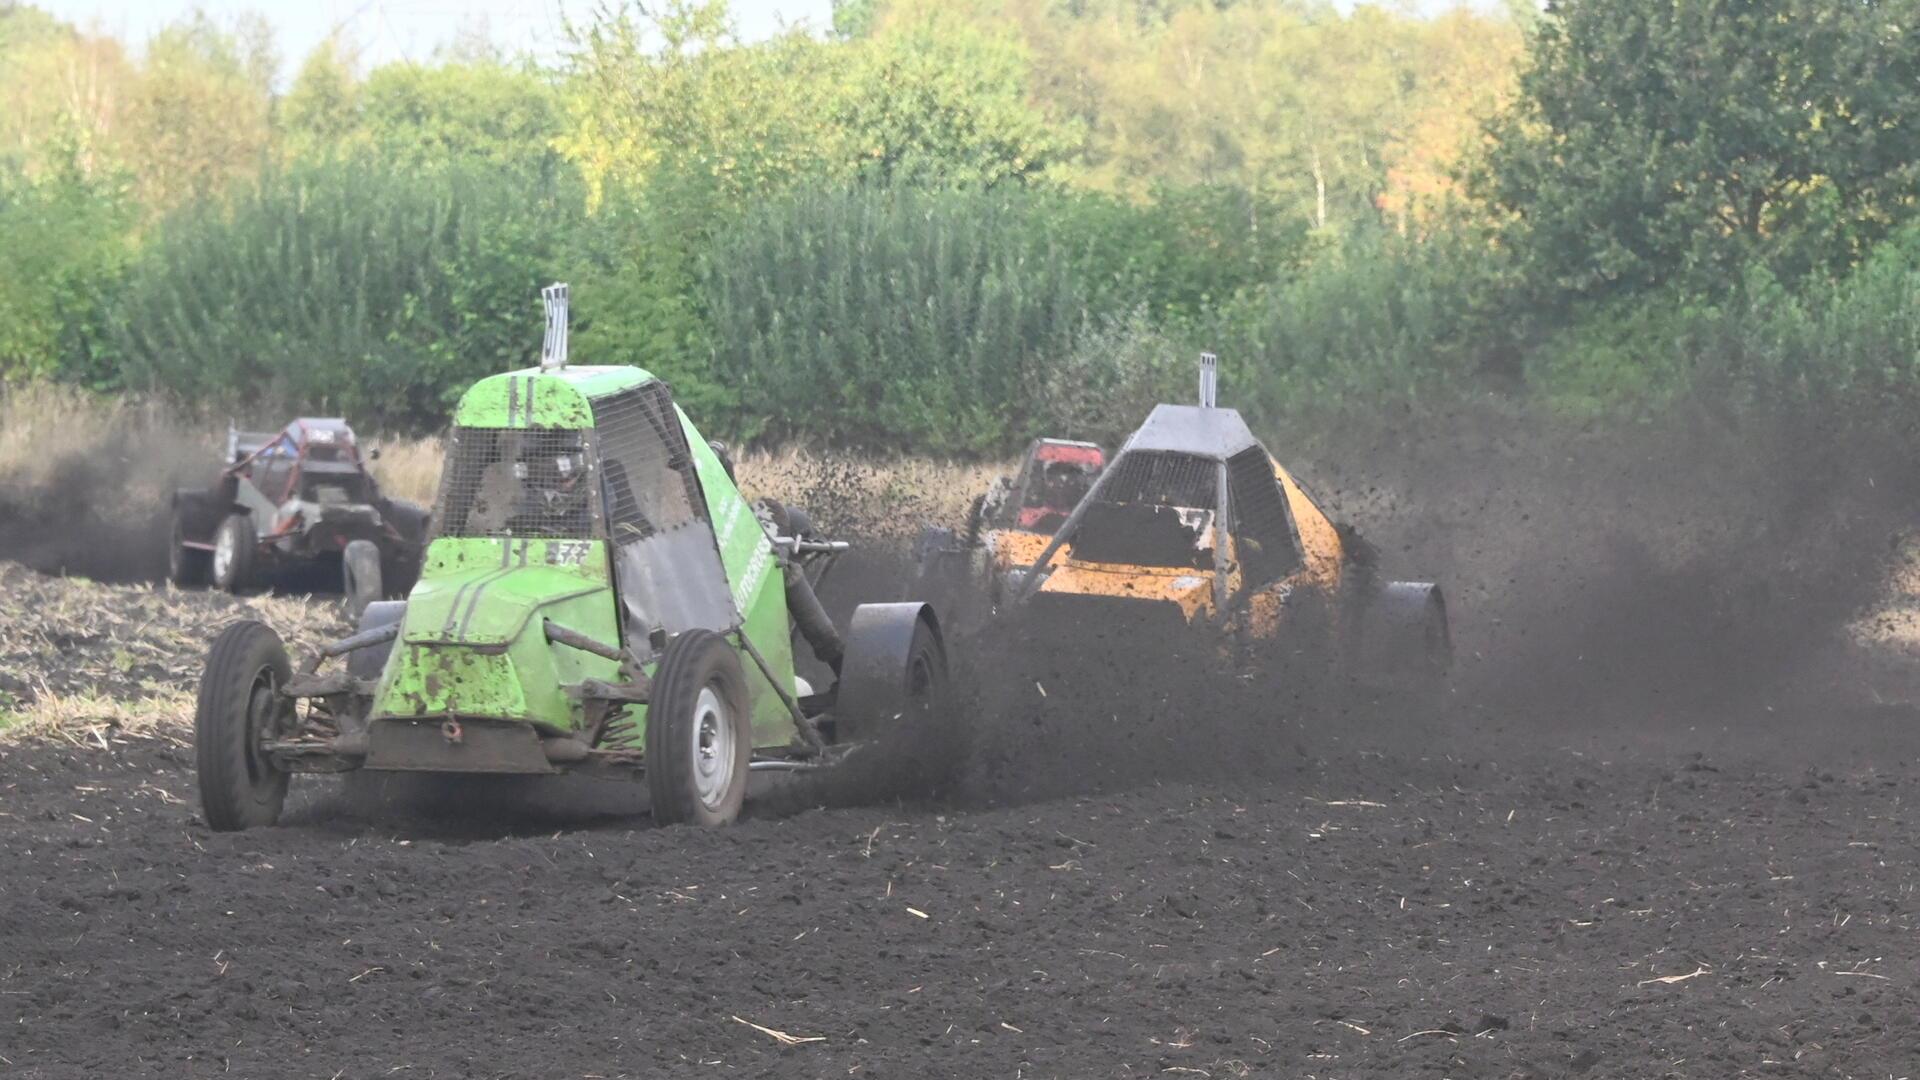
x,y
1209,379
553,350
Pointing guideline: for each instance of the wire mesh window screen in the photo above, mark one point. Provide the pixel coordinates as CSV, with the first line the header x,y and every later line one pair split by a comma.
x,y
1260,522
647,469
1163,479
517,482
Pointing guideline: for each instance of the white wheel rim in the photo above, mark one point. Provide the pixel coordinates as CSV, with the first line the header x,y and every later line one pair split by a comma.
x,y
223,554
713,748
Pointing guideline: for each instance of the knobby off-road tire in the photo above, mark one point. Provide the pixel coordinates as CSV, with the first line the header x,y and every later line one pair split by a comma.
x,y
239,704
234,546
699,732
361,576
186,567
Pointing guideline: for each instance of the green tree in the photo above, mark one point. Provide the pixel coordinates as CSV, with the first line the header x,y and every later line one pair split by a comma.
x,y
198,116
698,121
64,237
934,99
854,18
321,111
1331,117
1677,141
673,107
60,94
466,112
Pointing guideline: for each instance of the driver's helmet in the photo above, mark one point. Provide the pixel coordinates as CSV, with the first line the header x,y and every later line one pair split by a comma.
x,y
1063,478
552,474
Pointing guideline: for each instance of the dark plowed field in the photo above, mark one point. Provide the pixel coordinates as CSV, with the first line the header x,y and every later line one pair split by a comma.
x,y
1538,907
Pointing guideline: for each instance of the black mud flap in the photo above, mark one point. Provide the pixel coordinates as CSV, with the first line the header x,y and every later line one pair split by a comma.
x,y
1404,634
895,653
473,746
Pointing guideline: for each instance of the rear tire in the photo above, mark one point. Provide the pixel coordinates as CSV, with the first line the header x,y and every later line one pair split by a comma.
x,y
239,705
235,545
699,734
188,568
360,575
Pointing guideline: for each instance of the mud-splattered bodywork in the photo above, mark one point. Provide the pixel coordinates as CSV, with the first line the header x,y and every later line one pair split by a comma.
x,y
1192,523
646,537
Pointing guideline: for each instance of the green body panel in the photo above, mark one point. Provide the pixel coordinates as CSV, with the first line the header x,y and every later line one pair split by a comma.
x,y
472,641
543,399
759,590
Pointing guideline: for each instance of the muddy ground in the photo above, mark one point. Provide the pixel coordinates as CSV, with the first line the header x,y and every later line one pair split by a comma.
x,y
1690,898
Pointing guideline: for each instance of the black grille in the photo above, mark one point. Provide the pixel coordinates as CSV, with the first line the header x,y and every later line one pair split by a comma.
x,y
1163,479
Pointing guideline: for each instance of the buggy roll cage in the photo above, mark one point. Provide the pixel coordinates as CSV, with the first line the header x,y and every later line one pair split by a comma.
x,y
1205,431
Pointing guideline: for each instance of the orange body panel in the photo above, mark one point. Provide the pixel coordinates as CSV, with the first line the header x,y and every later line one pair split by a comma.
x,y
1258,614
1014,549
1319,541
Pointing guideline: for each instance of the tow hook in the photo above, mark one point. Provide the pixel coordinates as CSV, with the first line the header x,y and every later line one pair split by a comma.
x,y
450,728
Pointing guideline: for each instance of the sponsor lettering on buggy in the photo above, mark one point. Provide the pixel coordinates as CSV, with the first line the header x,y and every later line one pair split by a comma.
x,y
752,576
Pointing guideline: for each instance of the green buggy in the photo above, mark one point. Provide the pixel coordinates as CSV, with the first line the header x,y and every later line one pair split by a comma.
x,y
597,596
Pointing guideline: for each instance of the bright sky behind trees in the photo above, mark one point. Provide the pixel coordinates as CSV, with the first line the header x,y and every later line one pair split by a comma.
x,y
389,30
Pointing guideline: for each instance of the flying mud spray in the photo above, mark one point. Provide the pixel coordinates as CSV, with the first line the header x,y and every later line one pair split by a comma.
x,y
1686,576
90,498
1690,585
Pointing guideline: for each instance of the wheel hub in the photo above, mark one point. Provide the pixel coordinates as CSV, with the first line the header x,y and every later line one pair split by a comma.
x,y
223,554
262,706
713,748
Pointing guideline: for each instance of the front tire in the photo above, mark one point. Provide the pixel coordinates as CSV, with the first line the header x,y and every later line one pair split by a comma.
x,y
360,575
235,545
699,734
239,706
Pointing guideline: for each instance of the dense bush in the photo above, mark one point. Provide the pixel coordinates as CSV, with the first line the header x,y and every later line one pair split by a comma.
x,y
345,288
890,318
955,227
942,319
62,246
1379,322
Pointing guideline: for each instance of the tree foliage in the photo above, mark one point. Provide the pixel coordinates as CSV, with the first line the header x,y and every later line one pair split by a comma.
x,y
953,224
198,116
1335,117
66,240
1678,141
701,121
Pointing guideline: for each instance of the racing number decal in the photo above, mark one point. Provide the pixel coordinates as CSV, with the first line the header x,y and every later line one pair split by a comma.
x,y
568,552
